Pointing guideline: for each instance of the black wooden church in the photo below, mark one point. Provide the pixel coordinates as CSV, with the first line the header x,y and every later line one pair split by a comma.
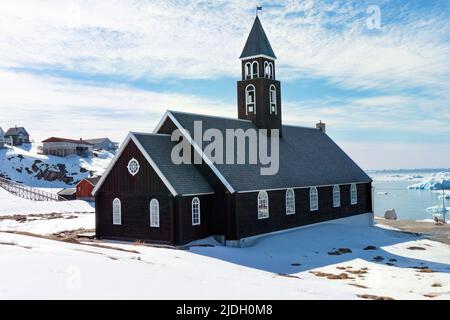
x,y
143,195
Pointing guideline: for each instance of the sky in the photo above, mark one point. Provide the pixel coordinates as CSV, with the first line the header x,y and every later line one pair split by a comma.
x,y
376,72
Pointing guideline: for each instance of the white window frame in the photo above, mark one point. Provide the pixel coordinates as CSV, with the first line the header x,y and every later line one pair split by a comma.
x,y
263,205
290,202
117,212
154,213
313,199
248,104
268,70
336,196
273,99
248,71
255,70
133,167
353,194
196,212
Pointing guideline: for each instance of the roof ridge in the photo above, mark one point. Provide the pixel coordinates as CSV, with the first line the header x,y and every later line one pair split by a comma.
x,y
207,115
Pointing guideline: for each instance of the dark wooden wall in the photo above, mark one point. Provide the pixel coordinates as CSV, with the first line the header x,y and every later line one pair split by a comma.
x,y
135,194
185,231
248,223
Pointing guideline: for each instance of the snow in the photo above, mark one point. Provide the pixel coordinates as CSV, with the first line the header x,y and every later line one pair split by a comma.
x,y
13,205
436,181
276,267
24,164
42,226
279,266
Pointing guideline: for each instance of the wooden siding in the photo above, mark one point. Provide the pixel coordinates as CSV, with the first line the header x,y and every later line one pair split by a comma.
x,y
84,189
247,211
186,232
135,194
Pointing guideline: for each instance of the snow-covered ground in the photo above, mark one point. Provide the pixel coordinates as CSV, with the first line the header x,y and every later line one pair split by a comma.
x,y
13,205
71,215
293,265
327,261
24,164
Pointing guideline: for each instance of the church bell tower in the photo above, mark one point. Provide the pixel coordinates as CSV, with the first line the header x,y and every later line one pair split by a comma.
x,y
259,93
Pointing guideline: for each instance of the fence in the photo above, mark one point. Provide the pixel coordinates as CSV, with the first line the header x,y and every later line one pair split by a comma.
x,y
27,192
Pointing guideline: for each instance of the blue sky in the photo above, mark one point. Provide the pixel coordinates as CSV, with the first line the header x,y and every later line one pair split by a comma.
x,y
103,68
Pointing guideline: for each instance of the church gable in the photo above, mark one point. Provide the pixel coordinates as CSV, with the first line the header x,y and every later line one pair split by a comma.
x,y
142,179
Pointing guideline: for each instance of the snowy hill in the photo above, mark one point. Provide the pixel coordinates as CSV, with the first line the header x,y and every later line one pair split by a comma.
x,y
26,166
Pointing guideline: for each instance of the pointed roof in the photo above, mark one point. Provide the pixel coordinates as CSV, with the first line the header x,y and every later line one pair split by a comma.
x,y
257,43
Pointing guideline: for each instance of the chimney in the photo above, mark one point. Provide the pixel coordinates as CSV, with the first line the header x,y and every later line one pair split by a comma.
x,y
321,126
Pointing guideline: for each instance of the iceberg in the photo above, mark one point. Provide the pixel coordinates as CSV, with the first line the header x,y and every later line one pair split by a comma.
x,y
437,181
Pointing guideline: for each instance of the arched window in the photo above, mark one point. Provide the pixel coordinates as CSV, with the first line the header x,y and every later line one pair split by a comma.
x,y
353,194
117,212
250,94
336,196
263,205
268,70
154,213
273,99
272,71
248,70
255,69
290,202
313,199
195,211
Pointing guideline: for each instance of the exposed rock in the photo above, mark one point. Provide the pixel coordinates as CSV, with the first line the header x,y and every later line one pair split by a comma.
x,y
378,258
390,214
372,297
370,248
416,248
339,252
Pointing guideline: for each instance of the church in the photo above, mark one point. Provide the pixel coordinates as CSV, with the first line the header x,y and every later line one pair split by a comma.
x,y
144,195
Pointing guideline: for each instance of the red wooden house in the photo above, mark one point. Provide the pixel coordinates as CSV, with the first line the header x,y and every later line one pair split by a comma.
x,y
85,188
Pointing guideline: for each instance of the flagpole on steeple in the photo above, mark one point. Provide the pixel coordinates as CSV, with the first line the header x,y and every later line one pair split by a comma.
x,y
258,8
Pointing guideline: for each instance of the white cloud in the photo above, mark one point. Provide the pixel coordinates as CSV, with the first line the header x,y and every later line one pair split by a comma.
x,y
198,39
50,106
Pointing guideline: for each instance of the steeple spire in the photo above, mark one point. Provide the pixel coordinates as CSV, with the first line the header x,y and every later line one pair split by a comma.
x,y
257,43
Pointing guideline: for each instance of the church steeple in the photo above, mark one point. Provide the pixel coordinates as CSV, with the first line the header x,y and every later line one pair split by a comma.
x,y
259,93
257,43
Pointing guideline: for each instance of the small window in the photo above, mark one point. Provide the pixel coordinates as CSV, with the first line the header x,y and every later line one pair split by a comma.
x,y
255,70
336,197
290,202
353,194
248,71
133,167
250,94
195,211
154,213
117,212
263,205
273,100
313,199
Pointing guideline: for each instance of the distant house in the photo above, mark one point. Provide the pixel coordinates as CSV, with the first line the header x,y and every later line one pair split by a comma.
x,y
18,135
85,188
104,143
62,147
68,194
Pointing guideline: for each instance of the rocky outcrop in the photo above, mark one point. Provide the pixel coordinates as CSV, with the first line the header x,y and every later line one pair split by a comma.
x,y
390,214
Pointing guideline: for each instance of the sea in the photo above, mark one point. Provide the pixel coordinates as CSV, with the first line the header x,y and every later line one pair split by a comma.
x,y
392,192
